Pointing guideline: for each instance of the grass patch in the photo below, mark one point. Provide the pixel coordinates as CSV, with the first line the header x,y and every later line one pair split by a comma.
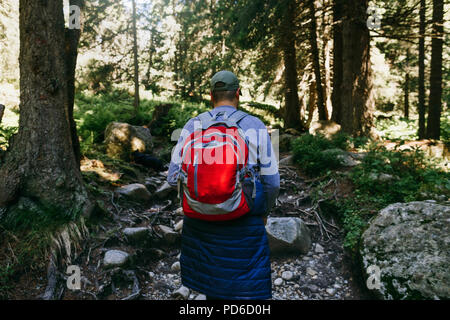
x,y
25,239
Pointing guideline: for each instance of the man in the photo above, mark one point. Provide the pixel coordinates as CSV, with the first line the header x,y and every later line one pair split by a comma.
x,y
230,259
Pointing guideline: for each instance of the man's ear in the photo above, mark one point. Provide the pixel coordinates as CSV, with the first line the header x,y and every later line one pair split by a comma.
x,y
238,93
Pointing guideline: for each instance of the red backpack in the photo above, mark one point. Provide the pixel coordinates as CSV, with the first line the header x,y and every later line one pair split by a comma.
x,y
213,168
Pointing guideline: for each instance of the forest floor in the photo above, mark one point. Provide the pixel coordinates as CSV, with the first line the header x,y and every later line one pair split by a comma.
x,y
326,272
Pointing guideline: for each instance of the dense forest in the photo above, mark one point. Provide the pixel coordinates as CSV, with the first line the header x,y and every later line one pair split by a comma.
x,y
355,94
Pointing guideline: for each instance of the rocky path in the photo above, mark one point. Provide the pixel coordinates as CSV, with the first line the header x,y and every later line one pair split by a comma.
x,y
135,255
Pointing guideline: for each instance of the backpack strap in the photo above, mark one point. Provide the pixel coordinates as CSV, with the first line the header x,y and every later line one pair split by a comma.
x,y
238,115
208,120
205,117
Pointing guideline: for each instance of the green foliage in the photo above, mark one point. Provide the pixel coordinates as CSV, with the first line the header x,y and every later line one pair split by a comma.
x,y
93,114
178,115
406,175
5,134
6,273
397,128
308,152
385,177
269,109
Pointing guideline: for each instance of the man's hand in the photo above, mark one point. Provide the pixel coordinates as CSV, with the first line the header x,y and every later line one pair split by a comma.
x,y
265,220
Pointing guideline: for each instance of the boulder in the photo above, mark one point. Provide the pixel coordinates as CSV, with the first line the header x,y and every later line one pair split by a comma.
x,y
179,226
168,235
325,128
287,161
164,191
346,159
137,235
285,141
410,244
115,258
136,192
176,266
288,235
121,139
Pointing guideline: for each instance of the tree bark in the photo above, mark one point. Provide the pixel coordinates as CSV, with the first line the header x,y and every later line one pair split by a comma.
x,y
2,110
337,62
72,39
311,103
435,100
406,110
136,62
421,107
292,103
356,96
40,163
406,86
316,61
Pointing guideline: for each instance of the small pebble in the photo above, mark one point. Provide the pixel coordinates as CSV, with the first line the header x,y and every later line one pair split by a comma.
x,y
278,282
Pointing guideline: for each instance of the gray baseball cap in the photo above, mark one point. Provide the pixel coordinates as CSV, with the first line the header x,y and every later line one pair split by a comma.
x,y
225,81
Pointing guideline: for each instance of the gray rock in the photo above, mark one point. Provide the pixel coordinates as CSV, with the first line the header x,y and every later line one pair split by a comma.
x,y
176,266
136,234
288,235
278,282
319,248
164,191
344,157
178,226
152,183
115,258
382,177
136,192
313,288
410,243
121,139
287,161
331,291
311,271
287,275
181,294
168,235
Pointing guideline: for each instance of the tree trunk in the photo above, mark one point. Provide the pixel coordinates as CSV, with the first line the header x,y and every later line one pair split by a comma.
x,y
435,100
311,102
292,103
40,163
406,85
136,62
72,38
356,98
406,110
2,110
421,107
316,61
337,62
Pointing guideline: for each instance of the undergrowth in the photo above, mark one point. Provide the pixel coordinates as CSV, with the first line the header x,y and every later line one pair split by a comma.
x,y
383,177
25,238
